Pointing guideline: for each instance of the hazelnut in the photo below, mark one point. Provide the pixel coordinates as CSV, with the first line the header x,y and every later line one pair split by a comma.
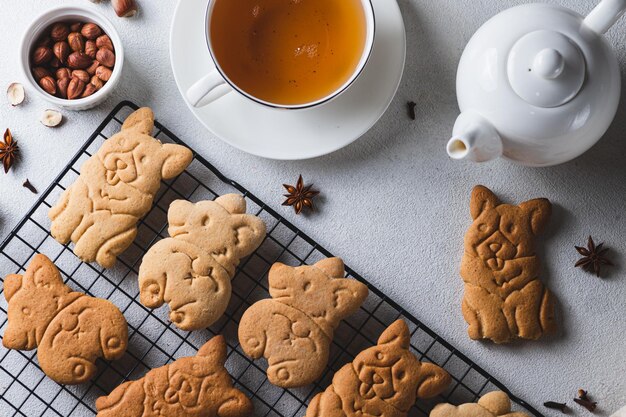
x,y
91,70
59,32
91,31
103,73
104,42
62,87
40,72
44,40
89,90
81,75
76,41
63,73
91,49
16,94
75,27
48,85
61,51
124,8
42,55
106,57
75,88
97,82
79,60
54,62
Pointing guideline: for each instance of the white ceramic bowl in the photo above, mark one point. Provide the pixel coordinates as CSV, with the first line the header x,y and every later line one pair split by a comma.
x,y
66,14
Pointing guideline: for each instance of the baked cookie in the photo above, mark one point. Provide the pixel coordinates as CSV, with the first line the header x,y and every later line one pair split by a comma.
x,y
192,269
293,330
197,386
494,404
69,329
116,187
504,298
384,380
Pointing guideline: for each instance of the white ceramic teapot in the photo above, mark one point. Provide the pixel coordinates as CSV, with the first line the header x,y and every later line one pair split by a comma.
x,y
537,84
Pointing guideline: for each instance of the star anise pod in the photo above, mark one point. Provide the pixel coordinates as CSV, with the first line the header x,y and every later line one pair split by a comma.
x,y
8,151
593,257
300,196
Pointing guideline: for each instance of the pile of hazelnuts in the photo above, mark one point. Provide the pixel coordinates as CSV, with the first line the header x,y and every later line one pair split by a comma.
x,y
73,60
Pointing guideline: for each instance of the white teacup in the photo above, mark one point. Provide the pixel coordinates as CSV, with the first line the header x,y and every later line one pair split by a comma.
x,y
216,83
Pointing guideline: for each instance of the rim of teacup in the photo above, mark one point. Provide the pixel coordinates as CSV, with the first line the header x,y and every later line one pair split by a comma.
x,y
370,16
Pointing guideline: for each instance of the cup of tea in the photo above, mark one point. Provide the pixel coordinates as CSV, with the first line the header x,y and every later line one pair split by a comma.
x,y
290,54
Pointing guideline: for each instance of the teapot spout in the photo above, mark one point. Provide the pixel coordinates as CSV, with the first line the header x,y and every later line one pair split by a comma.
x,y
605,15
474,139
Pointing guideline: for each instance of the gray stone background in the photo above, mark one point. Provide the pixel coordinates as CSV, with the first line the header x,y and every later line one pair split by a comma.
x,y
393,205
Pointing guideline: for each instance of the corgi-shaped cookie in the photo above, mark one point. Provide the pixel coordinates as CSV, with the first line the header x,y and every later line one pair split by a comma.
x,y
69,329
197,386
384,380
494,404
293,330
192,270
504,298
116,188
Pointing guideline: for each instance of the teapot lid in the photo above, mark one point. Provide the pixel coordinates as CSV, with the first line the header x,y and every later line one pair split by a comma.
x,y
546,68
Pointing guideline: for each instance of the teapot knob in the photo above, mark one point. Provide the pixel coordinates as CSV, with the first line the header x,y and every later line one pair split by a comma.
x,y
549,64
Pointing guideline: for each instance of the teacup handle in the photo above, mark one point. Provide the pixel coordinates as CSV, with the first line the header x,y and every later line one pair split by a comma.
x,y
208,89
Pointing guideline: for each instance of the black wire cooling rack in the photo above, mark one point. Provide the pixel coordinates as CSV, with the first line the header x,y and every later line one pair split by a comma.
x,y
154,341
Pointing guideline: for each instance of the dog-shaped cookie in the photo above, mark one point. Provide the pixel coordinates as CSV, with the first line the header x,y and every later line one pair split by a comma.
x,y
69,329
197,386
384,380
192,269
504,298
494,404
116,187
293,330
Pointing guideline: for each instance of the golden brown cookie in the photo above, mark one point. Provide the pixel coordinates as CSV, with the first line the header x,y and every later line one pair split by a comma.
x,y
293,330
197,386
116,187
69,329
504,298
494,404
384,380
192,270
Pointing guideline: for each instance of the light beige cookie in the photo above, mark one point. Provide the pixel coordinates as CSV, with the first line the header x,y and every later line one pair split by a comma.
x,y
191,270
69,329
294,329
384,380
116,187
494,404
197,386
504,299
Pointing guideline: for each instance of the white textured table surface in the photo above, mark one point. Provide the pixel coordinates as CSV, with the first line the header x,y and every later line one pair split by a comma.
x,y
394,206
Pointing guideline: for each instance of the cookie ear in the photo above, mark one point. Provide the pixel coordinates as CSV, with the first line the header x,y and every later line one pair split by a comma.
x,y
333,267
482,199
43,272
12,283
177,215
279,276
251,232
432,381
396,335
538,212
176,159
349,295
214,349
141,121
496,402
233,203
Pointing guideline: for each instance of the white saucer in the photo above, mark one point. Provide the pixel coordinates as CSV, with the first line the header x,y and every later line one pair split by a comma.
x,y
287,134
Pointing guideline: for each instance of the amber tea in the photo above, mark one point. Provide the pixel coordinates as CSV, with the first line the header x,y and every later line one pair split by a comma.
x,y
288,52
